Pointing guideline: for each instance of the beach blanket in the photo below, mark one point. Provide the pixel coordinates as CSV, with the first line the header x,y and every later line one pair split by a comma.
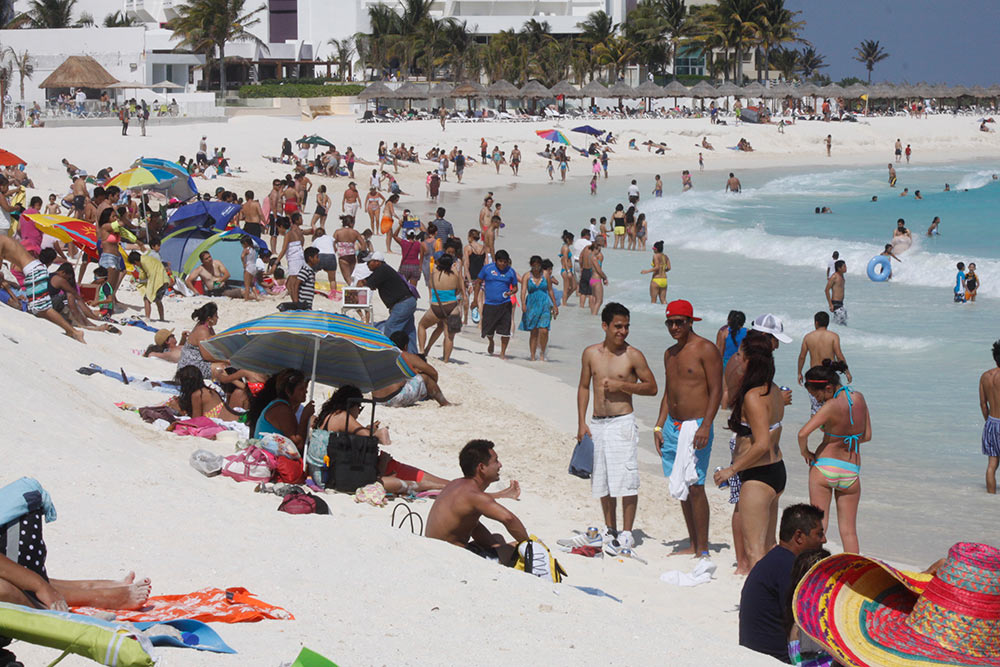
x,y
162,386
211,605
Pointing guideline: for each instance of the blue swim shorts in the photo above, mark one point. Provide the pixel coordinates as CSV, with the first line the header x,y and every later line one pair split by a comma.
x,y
671,429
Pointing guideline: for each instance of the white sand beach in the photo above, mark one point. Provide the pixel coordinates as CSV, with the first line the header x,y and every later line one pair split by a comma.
x,y
363,592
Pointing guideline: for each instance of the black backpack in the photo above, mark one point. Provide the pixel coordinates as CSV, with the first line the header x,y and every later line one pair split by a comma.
x,y
353,459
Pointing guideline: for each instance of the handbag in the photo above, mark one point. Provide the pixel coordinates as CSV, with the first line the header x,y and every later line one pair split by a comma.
x,y
352,460
581,463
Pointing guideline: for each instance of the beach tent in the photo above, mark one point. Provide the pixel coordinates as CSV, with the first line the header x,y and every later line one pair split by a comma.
x,y
181,249
222,246
209,214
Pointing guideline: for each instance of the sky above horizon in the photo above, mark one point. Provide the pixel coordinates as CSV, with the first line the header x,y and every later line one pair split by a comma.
x,y
927,40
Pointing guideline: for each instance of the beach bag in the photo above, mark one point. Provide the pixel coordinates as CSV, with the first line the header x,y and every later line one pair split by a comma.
x,y
531,560
289,471
352,460
303,503
253,464
581,463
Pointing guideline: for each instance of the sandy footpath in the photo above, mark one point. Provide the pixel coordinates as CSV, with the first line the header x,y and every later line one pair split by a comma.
x,y
364,593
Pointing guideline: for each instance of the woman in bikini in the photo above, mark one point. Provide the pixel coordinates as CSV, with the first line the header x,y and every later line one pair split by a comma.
x,y
618,226
428,242
389,217
836,465
108,239
322,208
641,231
345,244
659,266
197,400
566,266
373,202
758,409
447,294
475,259
630,230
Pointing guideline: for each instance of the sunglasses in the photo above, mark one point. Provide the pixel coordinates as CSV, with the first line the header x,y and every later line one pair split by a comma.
x,y
675,323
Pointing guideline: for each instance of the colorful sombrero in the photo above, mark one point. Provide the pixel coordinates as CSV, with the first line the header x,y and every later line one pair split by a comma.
x,y
865,612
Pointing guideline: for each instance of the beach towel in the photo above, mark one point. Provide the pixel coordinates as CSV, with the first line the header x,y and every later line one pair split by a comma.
x,y
162,386
684,472
202,427
701,574
210,605
24,496
309,658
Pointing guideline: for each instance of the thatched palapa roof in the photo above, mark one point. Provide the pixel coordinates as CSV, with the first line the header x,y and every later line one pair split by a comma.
x,y
79,72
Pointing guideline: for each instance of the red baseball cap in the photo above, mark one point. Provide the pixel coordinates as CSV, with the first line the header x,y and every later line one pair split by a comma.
x,y
682,308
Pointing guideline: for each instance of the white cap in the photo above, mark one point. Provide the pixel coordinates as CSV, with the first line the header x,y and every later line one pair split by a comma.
x,y
375,257
771,324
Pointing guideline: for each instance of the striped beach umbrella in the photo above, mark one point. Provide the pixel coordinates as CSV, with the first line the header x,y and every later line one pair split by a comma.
x,y
80,233
332,349
136,177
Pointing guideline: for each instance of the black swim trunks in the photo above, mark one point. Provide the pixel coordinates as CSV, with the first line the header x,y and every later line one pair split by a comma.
x,y
489,553
253,229
497,320
585,287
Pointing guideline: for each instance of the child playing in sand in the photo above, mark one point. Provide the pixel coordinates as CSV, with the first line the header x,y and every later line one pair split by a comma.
x,y
104,300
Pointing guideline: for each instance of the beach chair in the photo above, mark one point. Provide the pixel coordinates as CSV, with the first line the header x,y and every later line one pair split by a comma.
x,y
367,117
357,303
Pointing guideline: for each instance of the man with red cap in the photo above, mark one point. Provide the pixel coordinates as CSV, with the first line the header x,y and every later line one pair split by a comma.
x,y
691,396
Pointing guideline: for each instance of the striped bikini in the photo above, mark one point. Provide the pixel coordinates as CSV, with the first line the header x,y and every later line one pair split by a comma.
x,y
841,474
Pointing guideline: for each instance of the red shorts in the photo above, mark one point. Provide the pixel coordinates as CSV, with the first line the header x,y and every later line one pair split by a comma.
x,y
403,471
291,206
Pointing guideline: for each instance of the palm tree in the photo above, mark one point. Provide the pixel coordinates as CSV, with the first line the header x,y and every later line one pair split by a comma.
x,y
776,26
51,13
870,53
734,25
22,63
616,51
5,74
646,28
345,50
207,25
119,19
785,61
595,29
679,24
810,62
385,23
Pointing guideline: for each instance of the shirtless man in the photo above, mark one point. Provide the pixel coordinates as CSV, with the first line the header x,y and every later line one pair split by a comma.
x,y
898,150
835,292
892,176
456,512
424,384
274,199
213,275
302,187
692,392
486,213
71,168
252,215
989,403
36,284
351,201
733,184
820,345
617,371
78,194
515,159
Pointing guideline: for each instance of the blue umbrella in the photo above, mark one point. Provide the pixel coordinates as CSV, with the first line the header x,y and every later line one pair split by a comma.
x,y
588,129
175,181
336,350
215,214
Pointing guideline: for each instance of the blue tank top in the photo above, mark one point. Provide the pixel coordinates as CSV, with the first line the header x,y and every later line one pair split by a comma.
x,y
263,426
731,345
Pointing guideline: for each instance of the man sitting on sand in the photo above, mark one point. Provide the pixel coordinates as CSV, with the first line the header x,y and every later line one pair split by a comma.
x,y
455,514
36,284
213,275
421,386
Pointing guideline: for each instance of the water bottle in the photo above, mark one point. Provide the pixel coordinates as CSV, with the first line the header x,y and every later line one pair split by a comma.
x,y
725,483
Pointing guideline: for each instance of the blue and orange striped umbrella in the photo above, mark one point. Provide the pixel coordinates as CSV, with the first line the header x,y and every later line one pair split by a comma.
x,y
332,349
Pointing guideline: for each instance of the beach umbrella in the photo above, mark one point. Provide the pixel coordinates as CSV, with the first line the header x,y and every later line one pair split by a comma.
x,y
676,89
593,90
409,91
588,129
375,91
703,89
215,214
832,90
80,233
441,90
553,135
855,91
534,91
566,89
182,186
754,89
468,90
649,89
167,85
332,349
778,91
136,177
8,159
503,89
314,140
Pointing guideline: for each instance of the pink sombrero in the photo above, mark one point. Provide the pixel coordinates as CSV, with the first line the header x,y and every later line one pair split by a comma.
x,y
865,612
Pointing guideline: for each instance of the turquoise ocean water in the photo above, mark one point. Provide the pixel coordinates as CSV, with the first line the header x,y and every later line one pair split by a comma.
x,y
915,354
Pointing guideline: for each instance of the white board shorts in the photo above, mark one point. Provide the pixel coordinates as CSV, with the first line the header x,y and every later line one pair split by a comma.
x,y
616,457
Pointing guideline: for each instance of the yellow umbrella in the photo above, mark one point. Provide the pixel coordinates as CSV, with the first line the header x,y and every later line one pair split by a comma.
x,y
135,177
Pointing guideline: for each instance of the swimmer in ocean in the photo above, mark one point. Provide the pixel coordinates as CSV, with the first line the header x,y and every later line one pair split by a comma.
x,y
892,176
933,229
